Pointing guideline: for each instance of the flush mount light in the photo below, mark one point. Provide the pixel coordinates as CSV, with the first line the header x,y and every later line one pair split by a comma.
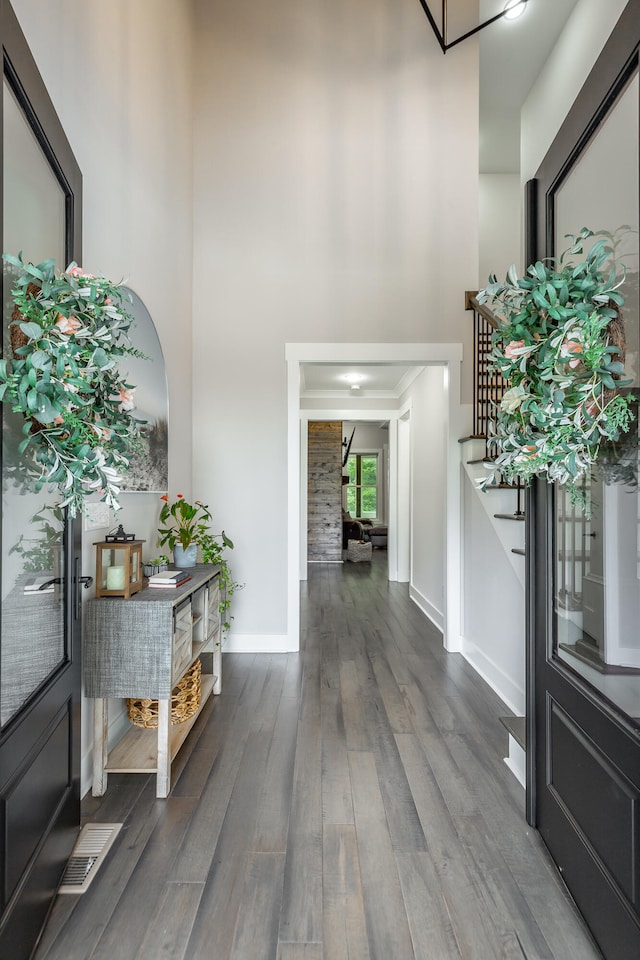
x,y
354,387
353,378
512,10
515,9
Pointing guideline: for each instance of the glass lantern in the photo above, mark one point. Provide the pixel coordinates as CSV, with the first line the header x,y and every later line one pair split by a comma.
x,y
118,568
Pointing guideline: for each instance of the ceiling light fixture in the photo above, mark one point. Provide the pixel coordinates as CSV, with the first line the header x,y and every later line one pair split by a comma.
x,y
353,377
512,10
515,9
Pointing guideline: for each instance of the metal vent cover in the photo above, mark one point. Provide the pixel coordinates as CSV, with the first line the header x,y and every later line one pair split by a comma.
x,y
92,846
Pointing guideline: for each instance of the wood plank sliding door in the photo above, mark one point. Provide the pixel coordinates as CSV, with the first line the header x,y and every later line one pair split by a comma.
x,y
324,504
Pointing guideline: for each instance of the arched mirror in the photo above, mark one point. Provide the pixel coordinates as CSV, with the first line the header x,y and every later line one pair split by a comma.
x,y
148,470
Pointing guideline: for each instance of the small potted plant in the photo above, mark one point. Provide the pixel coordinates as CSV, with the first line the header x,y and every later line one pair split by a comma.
x,y
151,567
183,526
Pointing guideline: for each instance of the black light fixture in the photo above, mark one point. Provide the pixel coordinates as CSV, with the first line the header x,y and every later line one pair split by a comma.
x,y
512,9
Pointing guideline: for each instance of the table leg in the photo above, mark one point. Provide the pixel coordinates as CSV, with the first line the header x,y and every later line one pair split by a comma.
x,y
163,782
100,746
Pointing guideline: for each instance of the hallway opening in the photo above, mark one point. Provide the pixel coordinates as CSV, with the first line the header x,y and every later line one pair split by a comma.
x,y
446,611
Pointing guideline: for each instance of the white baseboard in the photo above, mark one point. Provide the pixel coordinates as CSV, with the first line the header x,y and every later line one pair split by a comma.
x,y
436,616
257,643
506,688
517,762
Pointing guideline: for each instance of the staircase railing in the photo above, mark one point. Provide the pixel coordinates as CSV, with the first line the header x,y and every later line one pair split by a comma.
x,y
489,386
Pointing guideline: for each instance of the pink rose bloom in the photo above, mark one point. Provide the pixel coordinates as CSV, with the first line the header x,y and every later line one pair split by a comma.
x,y
511,347
59,420
67,325
572,348
77,271
127,401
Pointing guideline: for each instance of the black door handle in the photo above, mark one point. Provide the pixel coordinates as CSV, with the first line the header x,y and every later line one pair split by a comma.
x,y
77,580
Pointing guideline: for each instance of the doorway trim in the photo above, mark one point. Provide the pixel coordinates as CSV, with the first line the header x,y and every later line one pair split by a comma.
x,y
448,355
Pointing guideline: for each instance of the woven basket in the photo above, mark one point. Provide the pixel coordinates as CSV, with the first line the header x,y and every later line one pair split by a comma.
x,y
358,550
185,700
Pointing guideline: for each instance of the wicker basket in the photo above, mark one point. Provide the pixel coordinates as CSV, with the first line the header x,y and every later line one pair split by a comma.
x,y
185,700
358,550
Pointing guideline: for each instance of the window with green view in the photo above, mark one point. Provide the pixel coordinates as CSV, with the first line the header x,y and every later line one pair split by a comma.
x,y
362,489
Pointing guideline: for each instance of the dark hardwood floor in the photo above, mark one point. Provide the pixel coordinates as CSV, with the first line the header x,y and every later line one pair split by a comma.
x,y
350,801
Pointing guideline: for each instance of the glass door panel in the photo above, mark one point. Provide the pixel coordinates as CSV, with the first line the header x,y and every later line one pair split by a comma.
x,y
597,553
33,624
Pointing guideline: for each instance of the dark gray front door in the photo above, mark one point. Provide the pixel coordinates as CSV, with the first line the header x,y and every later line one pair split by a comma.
x,y
584,585
39,629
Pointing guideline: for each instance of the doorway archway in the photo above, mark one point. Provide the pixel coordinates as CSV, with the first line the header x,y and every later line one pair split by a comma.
x,y
447,355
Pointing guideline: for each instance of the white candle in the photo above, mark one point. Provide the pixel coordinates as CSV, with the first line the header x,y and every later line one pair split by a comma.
x,y
115,578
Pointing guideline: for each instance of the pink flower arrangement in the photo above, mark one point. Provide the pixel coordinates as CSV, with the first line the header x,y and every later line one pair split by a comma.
x,y
67,325
510,349
572,347
127,399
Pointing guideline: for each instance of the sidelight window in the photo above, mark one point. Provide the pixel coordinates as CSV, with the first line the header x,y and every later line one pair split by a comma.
x,y
362,489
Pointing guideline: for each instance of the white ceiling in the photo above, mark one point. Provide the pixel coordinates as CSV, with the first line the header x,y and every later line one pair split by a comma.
x,y
323,380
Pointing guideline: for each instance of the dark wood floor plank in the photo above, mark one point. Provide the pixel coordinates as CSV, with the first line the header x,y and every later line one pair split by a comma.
x,y
429,922
194,861
352,709
301,918
337,804
137,906
221,900
256,933
387,925
299,951
461,889
272,824
168,933
344,926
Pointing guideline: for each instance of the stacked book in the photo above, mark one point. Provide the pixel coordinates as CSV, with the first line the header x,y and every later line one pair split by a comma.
x,y
39,584
169,578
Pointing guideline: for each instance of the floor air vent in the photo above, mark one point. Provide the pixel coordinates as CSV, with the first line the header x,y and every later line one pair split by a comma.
x,y
87,857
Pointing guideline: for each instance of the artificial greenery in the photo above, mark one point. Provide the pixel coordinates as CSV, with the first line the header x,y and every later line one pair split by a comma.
x,y
69,332
38,550
555,347
189,523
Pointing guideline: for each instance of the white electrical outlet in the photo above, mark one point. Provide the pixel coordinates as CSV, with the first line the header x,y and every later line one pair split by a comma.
x,y
96,516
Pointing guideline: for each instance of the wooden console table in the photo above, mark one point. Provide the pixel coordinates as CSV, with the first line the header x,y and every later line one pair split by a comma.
x,y
141,647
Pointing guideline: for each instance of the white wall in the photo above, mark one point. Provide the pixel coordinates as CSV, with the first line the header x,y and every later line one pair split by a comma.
x,y
493,602
500,224
429,423
119,75
336,177
551,97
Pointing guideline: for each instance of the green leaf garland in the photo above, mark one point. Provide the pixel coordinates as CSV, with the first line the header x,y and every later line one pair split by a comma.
x,y
560,347
69,332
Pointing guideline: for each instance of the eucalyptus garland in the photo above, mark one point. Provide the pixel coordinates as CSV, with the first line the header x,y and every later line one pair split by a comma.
x,y
560,346
69,333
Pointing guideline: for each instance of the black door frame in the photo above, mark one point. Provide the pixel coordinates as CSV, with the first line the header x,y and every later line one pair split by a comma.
x,y
602,726
53,711
590,106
